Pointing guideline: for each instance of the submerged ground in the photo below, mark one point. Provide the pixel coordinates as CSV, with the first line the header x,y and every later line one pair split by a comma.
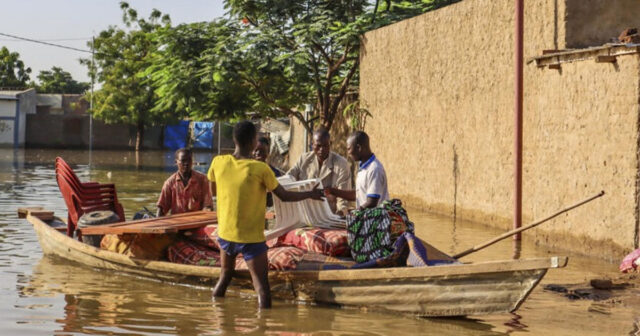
x,y
45,295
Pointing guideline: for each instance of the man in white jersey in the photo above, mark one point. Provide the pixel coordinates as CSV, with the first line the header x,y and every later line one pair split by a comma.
x,y
371,181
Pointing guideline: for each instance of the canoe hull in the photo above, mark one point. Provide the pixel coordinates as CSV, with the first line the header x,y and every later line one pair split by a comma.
x,y
454,290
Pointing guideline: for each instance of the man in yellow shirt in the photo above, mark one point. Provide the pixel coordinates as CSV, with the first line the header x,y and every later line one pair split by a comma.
x,y
240,184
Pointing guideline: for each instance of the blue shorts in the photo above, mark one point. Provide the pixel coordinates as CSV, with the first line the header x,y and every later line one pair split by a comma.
x,y
248,250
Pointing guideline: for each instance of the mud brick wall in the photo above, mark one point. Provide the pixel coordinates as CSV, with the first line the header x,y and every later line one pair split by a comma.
x,y
440,89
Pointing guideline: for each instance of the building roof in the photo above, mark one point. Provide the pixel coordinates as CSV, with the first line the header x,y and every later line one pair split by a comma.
x,y
7,97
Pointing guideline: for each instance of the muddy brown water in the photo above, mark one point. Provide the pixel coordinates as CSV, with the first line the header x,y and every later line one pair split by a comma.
x,y
42,295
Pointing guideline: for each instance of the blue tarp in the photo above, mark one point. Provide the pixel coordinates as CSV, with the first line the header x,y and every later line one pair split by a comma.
x,y
175,136
202,134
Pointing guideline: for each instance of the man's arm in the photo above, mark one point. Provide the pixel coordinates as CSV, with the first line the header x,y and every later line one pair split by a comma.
x,y
371,202
294,196
212,189
296,169
349,195
343,182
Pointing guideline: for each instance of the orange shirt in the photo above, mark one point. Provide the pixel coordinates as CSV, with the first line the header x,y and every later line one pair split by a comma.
x,y
178,198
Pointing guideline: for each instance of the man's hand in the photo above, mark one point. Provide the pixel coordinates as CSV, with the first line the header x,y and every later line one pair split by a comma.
x,y
317,194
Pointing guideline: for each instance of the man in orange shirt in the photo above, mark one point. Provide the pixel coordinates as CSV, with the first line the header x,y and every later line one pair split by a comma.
x,y
186,190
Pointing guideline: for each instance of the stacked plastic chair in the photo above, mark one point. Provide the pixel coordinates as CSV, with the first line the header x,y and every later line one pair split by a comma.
x,y
292,215
82,197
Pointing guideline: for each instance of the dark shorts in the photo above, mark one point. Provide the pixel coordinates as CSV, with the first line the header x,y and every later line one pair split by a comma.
x,y
248,250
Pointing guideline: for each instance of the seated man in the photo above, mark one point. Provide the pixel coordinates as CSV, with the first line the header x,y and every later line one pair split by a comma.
x,y
186,190
241,184
331,168
371,181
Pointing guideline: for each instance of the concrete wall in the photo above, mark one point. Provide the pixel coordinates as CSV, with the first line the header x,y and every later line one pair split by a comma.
x,y
72,131
440,89
7,110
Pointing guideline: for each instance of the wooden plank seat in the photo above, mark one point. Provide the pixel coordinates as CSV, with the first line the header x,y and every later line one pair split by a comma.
x,y
160,225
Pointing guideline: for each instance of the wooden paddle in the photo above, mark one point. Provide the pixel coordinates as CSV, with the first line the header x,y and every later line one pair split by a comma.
x,y
512,232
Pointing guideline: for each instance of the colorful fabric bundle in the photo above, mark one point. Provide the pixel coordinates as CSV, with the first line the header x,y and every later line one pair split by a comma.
x,y
186,252
407,250
280,258
331,242
372,232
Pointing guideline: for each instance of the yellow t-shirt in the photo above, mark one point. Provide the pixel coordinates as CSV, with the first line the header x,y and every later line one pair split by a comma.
x,y
241,188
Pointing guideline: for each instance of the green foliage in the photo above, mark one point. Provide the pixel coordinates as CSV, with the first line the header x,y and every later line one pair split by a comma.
x,y
121,58
271,57
12,70
183,78
57,80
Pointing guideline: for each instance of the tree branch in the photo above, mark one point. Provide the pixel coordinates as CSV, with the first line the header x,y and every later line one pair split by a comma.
x,y
341,93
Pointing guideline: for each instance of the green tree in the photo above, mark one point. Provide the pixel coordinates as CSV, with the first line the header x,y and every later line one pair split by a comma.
x,y
271,57
57,80
12,70
121,57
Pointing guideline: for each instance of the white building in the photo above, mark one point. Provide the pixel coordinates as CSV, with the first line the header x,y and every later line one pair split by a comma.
x,y
14,107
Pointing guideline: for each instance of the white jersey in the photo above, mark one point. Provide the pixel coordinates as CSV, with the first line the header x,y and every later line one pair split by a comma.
x,y
371,181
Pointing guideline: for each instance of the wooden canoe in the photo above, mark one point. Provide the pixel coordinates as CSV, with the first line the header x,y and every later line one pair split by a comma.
x,y
451,290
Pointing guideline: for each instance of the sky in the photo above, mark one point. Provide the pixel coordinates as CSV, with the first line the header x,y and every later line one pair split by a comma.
x,y
73,22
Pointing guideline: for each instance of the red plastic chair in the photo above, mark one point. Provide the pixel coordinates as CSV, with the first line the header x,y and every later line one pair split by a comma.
x,y
62,165
87,192
81,198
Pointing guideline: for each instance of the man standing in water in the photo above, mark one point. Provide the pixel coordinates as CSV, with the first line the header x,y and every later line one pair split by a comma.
x,y
331,168
371,181
241,184
186,190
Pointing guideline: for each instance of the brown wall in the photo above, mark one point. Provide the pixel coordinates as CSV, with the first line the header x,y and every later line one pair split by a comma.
x,y
440,89
595,22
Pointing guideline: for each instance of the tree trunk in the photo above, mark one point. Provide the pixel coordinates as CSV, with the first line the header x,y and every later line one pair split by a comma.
x,y
139,135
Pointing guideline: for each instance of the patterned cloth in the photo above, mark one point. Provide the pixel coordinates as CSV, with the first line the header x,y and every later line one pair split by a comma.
x,y
190,253
324,241
208,236
186,252
372,232
630,262
407,250
280,258
178,198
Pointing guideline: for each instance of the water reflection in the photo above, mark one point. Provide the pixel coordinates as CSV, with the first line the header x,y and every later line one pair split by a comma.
x,y
105,303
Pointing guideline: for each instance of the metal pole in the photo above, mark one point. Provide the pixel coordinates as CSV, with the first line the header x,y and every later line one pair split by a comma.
x,y
91,101
519,54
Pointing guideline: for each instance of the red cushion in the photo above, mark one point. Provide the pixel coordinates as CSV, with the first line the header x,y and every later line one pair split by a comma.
x,y
186,252
323,241
208,236
280,258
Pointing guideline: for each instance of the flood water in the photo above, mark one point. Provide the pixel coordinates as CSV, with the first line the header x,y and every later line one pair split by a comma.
x,y
42,295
